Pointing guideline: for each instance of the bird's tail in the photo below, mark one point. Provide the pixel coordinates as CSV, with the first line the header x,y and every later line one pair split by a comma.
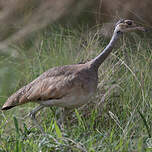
x,y
6,107
10,103
14,100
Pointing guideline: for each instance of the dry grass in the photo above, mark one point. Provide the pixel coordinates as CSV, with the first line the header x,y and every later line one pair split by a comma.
x,y
112,115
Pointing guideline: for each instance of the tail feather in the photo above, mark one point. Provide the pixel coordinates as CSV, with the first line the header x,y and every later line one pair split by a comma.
x,y
7,108
13,100
18,98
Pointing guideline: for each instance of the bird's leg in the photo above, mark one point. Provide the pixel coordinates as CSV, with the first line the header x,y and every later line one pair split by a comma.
x,y
63,116
60,120
32,115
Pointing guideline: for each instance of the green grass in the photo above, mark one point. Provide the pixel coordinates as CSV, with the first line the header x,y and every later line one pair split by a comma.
x,y
118,117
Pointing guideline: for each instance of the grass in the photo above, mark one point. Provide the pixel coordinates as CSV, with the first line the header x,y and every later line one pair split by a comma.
x,y
118,118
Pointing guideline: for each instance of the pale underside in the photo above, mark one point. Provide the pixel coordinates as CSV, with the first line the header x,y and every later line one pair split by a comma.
x,y
68,102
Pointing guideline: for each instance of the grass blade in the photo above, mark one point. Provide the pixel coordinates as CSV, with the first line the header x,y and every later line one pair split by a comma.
x,y
145,123
58,131
16,124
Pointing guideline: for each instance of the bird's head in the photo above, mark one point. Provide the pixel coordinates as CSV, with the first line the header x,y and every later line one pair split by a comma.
x,y
127,25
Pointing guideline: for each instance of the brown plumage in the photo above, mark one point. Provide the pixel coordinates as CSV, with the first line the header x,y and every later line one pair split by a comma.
x,y
74,82
67,86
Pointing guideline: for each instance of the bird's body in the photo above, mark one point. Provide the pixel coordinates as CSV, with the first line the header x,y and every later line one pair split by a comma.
x,y
72,88
67,86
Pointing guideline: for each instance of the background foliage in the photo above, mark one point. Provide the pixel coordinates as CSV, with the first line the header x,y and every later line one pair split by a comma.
x,y
35,38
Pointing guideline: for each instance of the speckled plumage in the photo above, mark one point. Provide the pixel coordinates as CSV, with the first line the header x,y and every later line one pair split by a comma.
x,y
59,84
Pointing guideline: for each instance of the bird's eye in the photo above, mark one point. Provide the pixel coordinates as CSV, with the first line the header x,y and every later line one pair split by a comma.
x,y
129,22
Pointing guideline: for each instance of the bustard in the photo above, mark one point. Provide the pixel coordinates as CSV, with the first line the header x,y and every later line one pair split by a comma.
x,y
67,86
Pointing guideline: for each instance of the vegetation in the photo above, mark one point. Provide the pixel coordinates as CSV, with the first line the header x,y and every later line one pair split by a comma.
x,y
118,117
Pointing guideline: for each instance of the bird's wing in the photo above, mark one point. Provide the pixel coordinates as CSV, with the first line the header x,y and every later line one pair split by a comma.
x,y
49,88
53,84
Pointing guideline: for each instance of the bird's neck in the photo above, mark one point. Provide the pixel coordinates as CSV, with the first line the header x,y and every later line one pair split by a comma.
x,y
97,61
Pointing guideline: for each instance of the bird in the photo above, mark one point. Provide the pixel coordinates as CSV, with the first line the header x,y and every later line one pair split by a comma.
x,y
68,86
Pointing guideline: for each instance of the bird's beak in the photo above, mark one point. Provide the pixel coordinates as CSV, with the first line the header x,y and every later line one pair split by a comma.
x,y
140,28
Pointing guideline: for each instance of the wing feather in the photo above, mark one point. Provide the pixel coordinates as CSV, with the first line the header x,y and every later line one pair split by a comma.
x,y
50,88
